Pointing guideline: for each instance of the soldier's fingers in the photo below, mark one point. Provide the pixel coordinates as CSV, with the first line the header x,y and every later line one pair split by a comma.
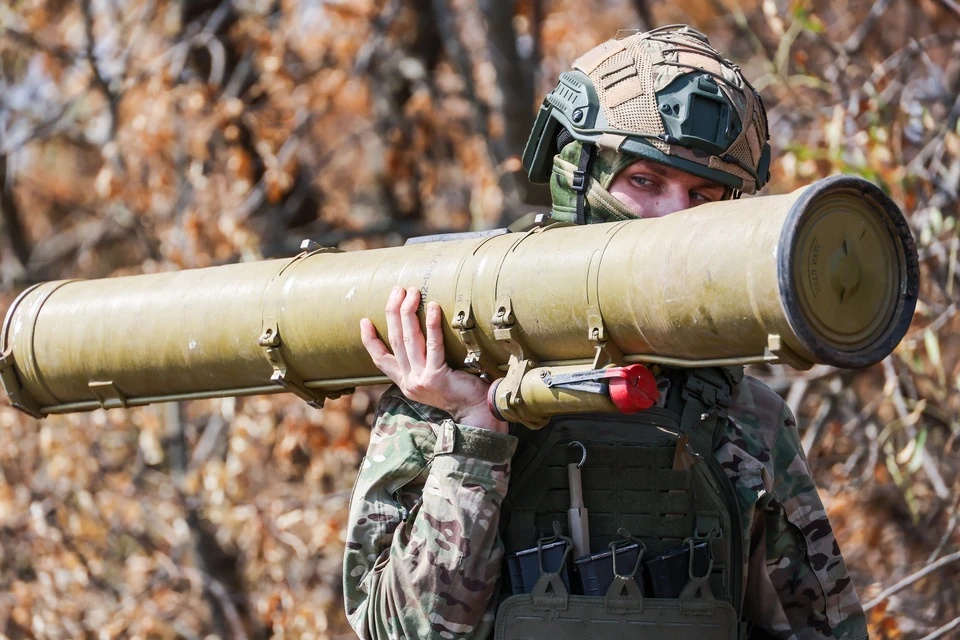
x,y
435,355
378,351
412,335
395,329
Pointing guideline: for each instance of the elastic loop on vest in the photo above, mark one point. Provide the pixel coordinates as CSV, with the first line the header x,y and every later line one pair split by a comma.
x,y
691,542
557,535
629,538
706,603
624,595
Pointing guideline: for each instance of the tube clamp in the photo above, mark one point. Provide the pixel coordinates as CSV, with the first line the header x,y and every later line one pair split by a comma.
x,y
506,401
506,331
465,326
18,396
108,394
283,375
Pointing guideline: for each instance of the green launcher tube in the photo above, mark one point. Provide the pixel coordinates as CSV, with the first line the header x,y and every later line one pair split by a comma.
x,y
826,274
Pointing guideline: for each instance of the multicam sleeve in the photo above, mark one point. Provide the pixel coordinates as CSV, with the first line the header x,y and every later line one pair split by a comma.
x,y
423,555
800,586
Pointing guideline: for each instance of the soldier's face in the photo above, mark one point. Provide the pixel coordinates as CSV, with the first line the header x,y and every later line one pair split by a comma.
x,y
652,190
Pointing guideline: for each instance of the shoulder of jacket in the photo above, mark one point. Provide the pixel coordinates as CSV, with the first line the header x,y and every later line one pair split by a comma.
x,y
753,395
757,416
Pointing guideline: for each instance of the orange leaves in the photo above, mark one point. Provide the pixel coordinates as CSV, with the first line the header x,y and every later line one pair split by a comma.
x,y
882,624
108,532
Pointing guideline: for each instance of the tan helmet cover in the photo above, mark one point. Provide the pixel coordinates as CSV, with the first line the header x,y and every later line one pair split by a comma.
x,y
629,73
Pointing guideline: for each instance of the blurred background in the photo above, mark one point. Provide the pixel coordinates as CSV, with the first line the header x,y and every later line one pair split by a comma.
x,y
150,135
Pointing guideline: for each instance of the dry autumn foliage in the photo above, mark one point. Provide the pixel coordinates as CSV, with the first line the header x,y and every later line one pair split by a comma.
x,y
150,135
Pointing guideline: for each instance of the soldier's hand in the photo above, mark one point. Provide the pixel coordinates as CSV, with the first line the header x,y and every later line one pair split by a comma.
x,y
418,366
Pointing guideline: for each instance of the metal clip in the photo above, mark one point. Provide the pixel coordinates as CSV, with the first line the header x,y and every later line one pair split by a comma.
x,y
509,402
466,327
784,354
504,329
16,394
283,375
108,394
503,319
464,324
710,394
589,381
311,247
607,352
269,339
579,181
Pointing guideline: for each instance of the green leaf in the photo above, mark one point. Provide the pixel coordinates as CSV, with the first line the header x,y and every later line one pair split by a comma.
x,y
936,220
916,460
932,343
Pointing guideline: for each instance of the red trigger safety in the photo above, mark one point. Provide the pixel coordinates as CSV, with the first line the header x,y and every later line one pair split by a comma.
x,y
632,388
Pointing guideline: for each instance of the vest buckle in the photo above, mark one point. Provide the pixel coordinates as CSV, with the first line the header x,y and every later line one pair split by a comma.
x,y
710,394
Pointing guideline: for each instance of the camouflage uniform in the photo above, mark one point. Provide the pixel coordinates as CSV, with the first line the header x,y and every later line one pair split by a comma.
x,y
423,554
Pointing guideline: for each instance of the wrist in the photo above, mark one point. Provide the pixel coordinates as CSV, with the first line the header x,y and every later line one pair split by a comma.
x,y
480,417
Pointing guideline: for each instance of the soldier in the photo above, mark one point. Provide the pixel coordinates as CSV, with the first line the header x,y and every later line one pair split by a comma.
x,y
669,124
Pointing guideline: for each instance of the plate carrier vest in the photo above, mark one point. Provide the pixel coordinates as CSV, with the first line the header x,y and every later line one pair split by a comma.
x,y
630,482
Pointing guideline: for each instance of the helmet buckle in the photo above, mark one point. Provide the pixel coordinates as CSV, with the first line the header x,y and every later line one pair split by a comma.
x,y
579,181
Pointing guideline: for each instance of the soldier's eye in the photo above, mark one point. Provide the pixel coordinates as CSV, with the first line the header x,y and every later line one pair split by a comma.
x,y
641,181
709,195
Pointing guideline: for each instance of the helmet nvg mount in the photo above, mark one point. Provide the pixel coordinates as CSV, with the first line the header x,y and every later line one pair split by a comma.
x,y
665,95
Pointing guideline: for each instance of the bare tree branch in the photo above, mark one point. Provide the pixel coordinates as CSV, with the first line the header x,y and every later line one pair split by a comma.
x,y
458,54
63,54
113,101
642,7
11,216
855,41
953,5
942,631
909,580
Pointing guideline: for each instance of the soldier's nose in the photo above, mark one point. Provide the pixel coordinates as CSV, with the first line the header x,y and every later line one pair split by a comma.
x,y
673,200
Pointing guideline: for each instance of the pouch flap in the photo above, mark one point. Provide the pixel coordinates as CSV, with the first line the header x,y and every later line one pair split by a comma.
x,y
518,618
624,595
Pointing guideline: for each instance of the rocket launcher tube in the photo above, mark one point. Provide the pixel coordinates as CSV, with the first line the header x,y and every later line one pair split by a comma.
x,y
825,274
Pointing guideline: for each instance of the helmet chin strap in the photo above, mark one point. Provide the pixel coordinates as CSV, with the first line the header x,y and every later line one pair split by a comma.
x,y
581,174
580,177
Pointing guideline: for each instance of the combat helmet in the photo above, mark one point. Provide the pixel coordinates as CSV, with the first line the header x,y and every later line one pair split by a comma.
x,y
665,95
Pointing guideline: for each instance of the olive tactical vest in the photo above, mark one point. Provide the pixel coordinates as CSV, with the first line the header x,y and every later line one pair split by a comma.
x,y
631,483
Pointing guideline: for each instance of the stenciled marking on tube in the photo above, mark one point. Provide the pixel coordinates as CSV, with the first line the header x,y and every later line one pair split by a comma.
x,y
813,271
425,287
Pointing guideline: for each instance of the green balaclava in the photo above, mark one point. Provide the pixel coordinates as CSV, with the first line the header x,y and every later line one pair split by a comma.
x,y
600,204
